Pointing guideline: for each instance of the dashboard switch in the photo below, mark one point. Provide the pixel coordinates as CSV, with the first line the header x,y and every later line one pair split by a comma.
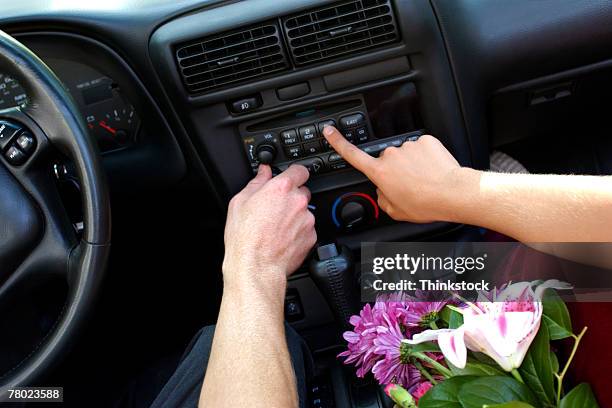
x,y
295,152
352,214
312,148
354,120
7,131
314,165
362,134
325,123
354,210
308,132
289,137
265,153
246,105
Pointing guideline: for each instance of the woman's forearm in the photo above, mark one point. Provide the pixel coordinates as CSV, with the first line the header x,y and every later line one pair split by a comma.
x,y
534,208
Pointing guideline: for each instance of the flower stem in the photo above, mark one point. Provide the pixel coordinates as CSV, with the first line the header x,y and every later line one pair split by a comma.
x,y
517,375
567,364
425,373
437,366
433,325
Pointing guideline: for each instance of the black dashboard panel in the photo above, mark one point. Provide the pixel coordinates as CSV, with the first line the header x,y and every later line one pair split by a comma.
x,y
498,44
220,133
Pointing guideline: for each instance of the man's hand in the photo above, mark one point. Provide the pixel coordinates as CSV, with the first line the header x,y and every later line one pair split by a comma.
x,y
415,181
269,232
269,228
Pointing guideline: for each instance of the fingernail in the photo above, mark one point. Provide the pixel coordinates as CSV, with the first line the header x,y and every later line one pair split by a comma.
x,y
327,130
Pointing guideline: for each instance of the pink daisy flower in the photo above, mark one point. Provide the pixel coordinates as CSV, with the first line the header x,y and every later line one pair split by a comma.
x,y
395,367
361,340
422,313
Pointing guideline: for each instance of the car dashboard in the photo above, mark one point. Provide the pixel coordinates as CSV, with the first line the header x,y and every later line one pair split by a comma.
x,y
212,89
186,98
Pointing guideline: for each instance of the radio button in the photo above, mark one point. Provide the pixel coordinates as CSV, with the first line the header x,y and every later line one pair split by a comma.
x,y
294,152
314,165
312,148
354,120
325,123
326,145
334,157
289,137
349,135
308,133
362,134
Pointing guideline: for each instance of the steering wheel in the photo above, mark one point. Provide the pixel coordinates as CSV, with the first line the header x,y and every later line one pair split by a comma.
x,y
37,238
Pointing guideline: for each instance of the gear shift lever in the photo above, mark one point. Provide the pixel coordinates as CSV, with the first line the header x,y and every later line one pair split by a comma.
x,y
332,271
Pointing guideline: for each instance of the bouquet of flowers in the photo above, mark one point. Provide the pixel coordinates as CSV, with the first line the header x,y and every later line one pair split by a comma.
x,y
493,352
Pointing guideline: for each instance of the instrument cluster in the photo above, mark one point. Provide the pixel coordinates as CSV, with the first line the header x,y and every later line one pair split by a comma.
x,y
111,118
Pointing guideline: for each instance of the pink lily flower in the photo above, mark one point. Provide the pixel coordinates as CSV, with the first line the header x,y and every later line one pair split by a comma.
x,y
502,327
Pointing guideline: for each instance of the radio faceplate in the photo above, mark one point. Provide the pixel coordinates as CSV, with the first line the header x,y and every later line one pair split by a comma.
x,y
298,137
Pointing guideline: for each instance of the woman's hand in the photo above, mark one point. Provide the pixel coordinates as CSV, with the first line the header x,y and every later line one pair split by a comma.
x,y
416,182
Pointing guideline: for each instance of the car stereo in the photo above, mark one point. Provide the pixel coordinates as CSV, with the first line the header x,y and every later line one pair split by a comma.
x,y
297,137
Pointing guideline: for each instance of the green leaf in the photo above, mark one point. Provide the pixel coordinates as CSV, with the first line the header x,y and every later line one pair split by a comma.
x,y
427,347
556,316
444,394
554,361
580,397
512,404
483,358
494,390
452,317
476,369
556,332
537,369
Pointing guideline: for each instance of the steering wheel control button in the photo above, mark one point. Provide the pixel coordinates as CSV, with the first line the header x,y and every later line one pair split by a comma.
x,y
289,137
7,131
308,133
26,142
350,121
245,105
15,156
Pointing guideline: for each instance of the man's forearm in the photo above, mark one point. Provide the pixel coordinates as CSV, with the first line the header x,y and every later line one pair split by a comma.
x,y
250,363
533,208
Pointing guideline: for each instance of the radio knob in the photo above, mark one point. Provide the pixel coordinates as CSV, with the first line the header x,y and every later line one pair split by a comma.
x,y
265,153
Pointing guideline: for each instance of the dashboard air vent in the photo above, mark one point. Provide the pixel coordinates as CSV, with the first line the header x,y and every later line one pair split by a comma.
x,y
231,57
343,28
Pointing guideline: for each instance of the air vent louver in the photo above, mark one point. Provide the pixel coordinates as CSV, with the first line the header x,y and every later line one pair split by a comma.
x,y
344,28
231,57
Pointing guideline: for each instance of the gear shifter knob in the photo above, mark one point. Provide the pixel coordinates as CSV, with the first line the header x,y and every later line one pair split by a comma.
x,y
332,271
